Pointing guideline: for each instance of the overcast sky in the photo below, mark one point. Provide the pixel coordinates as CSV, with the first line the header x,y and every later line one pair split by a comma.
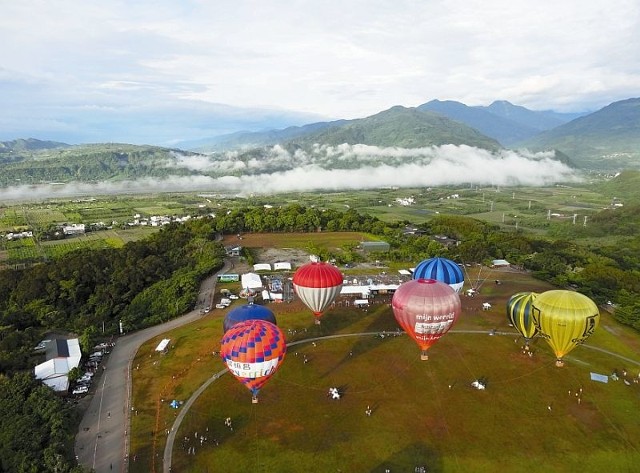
x,y
170,70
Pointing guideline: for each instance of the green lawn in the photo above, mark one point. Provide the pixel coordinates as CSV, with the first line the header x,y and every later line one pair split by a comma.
x,y
417,418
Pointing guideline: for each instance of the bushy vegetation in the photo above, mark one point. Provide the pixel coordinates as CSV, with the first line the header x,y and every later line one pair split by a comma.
x,y
36,428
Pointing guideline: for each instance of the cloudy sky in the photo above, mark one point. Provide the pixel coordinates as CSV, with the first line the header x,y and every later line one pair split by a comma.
x,y
164,71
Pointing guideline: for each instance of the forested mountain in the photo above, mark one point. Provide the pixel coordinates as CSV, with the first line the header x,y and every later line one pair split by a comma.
x,y
605,140
29,144
539,120
608,139
501,120
399,127
89,163
261,138
396,127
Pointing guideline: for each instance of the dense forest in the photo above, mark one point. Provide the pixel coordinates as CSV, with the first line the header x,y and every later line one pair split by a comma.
x,y
147,282
92,163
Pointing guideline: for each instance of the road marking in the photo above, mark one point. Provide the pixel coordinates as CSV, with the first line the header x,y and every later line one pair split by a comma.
x,y
95,448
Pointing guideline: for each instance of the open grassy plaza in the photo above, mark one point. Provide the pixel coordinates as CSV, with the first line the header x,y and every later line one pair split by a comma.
x,y
532,416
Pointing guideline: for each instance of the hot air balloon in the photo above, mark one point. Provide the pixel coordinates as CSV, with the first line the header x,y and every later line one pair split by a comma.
x,y
317,284
425,309
247,312
565,319
440,269
519,315
253,350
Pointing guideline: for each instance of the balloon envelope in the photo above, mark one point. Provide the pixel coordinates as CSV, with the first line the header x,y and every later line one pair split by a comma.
x,y
253,350
317,284
426,309
440,269
247,312
565,319
520,316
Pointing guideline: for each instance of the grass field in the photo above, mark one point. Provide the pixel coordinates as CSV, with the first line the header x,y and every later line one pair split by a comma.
x,y
424,413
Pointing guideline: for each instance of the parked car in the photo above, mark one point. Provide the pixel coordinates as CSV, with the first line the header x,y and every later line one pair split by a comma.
x,y
81,390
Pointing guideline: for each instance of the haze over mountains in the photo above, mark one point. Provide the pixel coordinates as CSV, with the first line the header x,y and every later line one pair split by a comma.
x,y
437,143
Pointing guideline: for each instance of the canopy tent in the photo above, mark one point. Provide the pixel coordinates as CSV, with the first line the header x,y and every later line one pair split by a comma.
x,y
251,281
162,346
281,265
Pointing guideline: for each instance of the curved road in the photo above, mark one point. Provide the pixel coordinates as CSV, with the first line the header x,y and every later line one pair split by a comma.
x,y
102,441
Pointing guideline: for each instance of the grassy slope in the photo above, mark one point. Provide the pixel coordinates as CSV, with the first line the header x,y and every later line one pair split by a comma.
x,y
417,419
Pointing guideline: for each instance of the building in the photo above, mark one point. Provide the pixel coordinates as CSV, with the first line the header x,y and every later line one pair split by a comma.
x,y
228,277
74,229
370,246
62,356
233,250
500,263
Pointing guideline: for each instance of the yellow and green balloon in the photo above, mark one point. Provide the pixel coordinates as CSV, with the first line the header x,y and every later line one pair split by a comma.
x,y
565,319
520,316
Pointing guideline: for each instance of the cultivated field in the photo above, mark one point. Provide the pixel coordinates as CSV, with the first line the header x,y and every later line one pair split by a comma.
x,y
535,210
424,413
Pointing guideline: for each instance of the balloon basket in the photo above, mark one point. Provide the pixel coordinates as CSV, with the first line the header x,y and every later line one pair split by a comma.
x,y
254,400
317,321
559,363
424,356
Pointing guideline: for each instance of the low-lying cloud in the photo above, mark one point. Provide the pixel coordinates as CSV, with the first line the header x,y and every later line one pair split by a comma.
x,y
362,167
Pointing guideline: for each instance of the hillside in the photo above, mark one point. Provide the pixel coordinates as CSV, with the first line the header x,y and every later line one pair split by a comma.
x,y
257,139
624,186
88,163
503,121
26,145
608,139
399,127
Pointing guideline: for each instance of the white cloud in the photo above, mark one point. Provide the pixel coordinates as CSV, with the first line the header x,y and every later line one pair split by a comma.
x,y
330,58
424,167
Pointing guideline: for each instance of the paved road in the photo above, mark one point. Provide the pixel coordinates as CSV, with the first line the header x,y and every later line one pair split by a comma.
x,y
102,442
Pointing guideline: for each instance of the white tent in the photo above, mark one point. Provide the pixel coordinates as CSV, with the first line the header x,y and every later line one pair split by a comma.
x,y
162,346
251,281
262,267
271,296
281,266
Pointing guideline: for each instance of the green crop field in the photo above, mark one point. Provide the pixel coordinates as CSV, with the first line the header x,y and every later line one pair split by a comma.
x,y
424,413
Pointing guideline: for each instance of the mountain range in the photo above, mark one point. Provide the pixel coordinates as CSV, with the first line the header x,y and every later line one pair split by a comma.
x,y
608,139
436,143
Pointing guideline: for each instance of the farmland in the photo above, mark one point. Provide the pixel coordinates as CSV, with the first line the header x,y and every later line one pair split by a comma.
x,y
558,210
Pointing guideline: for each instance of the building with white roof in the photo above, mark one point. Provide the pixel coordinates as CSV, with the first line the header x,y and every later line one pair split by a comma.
x,y
62,356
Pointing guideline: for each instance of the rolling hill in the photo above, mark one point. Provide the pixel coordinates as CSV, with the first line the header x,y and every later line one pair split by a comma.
x,y
608,139
399,127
